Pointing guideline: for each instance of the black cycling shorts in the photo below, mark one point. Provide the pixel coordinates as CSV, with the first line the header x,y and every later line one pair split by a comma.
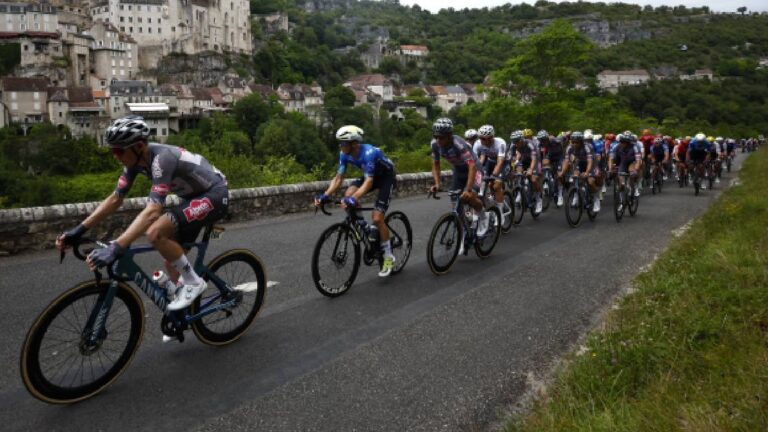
x,y
195,213
385,184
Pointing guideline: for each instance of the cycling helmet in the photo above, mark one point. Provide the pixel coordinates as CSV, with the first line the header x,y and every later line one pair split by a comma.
x,y
577,136
719,139
542,134
598,137
470,134
700,136
588,134
647,132
528,133
349,133
658,140
610,137
516,136
127,131
625,137
442,126
710,138
486,131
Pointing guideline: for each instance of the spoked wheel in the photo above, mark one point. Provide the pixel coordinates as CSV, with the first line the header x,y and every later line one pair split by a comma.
x,y
547,189
335,260
619,202
484,245
573,207
401,239
509,212
444,242
62,363
244,275
634,202
519,205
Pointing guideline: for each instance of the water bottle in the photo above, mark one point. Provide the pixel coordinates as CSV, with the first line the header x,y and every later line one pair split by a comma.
x,y
161,279
373,234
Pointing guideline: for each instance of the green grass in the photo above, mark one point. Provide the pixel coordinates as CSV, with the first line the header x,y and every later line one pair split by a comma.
x,y
688,350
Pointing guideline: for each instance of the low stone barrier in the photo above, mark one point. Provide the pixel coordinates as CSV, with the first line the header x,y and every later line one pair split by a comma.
x,y
35,228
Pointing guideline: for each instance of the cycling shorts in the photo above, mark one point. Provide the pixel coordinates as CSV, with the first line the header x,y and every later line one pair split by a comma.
x,y
195,213
460,179
385,184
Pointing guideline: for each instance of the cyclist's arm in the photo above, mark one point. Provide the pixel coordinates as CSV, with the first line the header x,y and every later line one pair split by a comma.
x,y
499,164
139,226
436,173
335,183
471,177
106,208
364,188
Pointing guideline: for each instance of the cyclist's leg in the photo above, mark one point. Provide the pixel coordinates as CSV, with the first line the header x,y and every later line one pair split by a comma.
x,y
386,184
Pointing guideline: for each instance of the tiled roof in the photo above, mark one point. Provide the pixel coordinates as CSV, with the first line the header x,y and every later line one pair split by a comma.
x,y
25,84
80,94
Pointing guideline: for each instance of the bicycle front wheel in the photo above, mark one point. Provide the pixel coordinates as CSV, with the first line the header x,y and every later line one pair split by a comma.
x,y
573,207
547,189
401,239
444,242
61,361
335,260
634,202
518,204
244,273
509,212
618,202
484,245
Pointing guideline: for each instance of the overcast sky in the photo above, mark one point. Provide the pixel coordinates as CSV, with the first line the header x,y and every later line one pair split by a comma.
x,y
719,6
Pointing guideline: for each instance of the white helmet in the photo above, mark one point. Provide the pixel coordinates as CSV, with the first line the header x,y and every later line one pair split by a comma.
x,y
588,134
486,131
470,134
349,133
598,137
700,136
719,139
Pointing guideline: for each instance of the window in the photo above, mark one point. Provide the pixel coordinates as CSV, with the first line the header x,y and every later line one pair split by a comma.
x,y
130,19
113,62
36,95
122,19
141,30
113,72
164,132
14,106
121,62
139,19
13,95
122,29
37,106
159,30
149,20
60,115
153,131
130,29
122,71
130,63
149,29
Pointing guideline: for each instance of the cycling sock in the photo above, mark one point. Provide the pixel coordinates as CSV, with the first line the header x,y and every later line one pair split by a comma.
x,y
187,272
387,246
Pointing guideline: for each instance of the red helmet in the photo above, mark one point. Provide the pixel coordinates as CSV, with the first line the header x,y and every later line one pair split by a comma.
x,y
610,137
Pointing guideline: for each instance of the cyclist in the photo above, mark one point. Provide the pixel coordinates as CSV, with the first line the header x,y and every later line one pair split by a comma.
x,y
552,155
626,157
378,173
730,146
491,152
581,155
465,174
698,154
470,136
678,155
204,199
659,156
718,157
598,145
527,159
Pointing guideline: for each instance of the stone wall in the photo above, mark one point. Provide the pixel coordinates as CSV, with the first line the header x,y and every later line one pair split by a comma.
x,y
36,228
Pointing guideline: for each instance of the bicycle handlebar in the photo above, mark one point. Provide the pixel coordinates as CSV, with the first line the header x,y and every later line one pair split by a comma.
x,y
321,207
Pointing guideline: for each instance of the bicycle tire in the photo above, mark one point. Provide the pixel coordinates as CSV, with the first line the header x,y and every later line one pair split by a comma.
x,y
254,286
401,246
518,201
449,229
634,202
510,209
484,246
590,213
573,213
547,189
618,203
348,237
35,380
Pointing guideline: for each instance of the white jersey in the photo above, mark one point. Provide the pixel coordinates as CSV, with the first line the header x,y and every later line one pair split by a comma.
x,y
497,149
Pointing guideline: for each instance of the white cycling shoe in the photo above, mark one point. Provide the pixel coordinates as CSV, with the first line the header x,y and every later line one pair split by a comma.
x,y
596,206
482,224
186,295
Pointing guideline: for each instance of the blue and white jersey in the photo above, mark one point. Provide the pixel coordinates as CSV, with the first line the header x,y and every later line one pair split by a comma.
x,y
699,147
497,149
371,160
599,147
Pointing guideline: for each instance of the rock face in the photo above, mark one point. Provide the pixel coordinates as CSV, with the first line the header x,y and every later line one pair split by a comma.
x,y
200,70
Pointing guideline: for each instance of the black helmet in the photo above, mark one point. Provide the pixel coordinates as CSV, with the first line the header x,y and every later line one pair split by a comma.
x,y
577,136
126,131
442,126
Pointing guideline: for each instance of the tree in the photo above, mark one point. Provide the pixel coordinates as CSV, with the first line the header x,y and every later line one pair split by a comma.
x,y
250,112
742,10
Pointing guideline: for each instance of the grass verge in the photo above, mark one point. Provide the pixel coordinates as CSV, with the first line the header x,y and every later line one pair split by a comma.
x,y
688,350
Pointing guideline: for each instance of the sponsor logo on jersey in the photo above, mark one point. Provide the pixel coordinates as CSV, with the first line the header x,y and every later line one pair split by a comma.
x,y
161,189
198,209
157,171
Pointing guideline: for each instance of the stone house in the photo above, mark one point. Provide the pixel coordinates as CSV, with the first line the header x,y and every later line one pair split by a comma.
x,y
76,108
25,99
114,56
129,91
612,80
376,83
157,116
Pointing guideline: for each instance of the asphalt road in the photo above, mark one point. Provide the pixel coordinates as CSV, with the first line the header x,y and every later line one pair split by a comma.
x,y
411,352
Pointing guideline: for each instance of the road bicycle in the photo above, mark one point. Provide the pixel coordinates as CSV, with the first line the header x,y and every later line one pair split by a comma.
x,y
549,188
489,200
578,199
523,197
456,230
87,336
657,178
624,196
337,253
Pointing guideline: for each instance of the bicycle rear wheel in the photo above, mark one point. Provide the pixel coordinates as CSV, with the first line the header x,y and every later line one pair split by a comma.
x,y
484,245
59,362
243,271
573,207
400,237
547,189
332,270
444,242
634,202
518,204
509,212
618,202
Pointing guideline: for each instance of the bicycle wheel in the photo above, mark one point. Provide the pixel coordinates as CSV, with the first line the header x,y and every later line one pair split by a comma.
x,y
443,244
484,245
618,202
509,212
546,194
244,272
634,202
519,205
400,237
589,202
728,164
60,365
332,270
573,207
